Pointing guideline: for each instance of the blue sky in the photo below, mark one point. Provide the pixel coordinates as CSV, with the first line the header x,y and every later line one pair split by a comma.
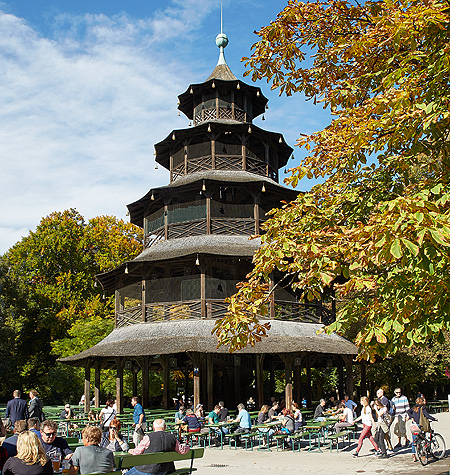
x,y
87,88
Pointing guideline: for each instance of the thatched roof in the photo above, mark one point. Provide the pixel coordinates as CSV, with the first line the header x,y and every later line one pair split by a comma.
x,y
205,244
179,336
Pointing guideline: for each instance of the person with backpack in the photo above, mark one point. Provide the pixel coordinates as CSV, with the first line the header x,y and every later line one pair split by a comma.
x,y
389,418
420,416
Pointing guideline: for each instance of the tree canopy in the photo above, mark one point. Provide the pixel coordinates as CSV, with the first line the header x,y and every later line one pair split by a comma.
x,y
377,230
50,305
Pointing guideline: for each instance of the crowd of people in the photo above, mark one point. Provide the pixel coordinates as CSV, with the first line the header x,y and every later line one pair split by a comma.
x,y
35,448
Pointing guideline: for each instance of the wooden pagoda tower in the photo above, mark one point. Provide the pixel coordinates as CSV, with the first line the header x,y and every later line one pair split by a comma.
x,y
223,181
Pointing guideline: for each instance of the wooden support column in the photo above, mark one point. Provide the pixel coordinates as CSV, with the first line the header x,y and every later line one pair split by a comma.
x,y
341,382
363,380
144,300
244,155
259,380
308,381
256,214
298,381
185,159
119,385
213,154
272,379
165,365
210,381
186,383
272,299
348,374
87,386
208,215
166,222
97,384
171,167
288,360
134,382
237,378
203,290
145,382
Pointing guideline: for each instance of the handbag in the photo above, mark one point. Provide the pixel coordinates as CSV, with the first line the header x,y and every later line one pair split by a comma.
x,y
423,421
102,424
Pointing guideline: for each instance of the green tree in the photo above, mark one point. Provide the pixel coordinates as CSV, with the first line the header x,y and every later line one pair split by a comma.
x,y
377,228
48,294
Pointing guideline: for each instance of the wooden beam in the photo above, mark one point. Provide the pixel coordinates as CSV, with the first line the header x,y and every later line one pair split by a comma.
x,y
97,384
348,374
166,381
259,380
308,381
87,386
288,360
298,380
145,382
210,381
203,290
119,385
341,382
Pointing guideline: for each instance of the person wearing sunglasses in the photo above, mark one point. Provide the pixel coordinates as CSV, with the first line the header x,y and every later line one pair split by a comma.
x,y
112,439
55,447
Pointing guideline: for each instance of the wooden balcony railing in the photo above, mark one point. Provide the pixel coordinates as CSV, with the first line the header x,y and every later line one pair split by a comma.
x,y
223,162
214,309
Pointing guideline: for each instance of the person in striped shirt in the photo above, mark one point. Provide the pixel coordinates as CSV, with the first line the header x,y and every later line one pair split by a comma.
x,y
401,405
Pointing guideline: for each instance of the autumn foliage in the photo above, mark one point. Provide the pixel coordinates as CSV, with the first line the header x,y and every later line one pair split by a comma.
x,y
377,229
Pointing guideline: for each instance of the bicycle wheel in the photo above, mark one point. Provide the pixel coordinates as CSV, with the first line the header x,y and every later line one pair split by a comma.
x,y
421,452
437,446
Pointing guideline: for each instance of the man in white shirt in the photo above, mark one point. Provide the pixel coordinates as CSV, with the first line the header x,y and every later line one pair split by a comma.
x,y
346,419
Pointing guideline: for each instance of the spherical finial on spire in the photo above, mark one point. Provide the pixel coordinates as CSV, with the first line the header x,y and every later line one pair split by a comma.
x,y
221,40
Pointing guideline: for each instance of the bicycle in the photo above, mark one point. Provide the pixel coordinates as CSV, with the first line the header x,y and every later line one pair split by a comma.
x,y
429,443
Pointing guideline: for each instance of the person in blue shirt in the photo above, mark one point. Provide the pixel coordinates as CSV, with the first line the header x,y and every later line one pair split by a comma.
x,y
245,422
139,420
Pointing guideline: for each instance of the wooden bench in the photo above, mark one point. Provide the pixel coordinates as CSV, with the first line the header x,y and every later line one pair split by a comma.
x,y
126,461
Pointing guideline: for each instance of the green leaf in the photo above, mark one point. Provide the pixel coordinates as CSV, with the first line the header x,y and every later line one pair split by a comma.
x,y
396,249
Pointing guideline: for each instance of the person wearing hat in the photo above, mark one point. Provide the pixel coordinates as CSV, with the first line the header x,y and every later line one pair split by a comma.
x,y
199,412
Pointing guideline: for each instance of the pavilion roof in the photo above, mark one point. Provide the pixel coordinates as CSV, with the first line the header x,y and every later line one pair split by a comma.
x,y
179,336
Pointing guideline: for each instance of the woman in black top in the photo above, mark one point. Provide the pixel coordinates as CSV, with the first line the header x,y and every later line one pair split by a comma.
x,y
414,414
30,458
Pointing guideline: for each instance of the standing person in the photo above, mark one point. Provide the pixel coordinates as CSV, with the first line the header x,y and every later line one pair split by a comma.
x,y
388,417
36,405
245,422
30,459
414,414
91,457
55,447
346,418
382,427
367,419
401,405
157,441
16,409
139,421
112,439
107,414
223,414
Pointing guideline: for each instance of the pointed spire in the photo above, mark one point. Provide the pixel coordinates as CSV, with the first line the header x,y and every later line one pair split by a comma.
x,y
222,71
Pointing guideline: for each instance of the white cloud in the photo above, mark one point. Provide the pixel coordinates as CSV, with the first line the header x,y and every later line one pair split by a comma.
x,y
81,110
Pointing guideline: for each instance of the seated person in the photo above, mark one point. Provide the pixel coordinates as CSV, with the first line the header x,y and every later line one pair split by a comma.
x,y
30,458
245,422
91,458
55,447
193,424
10,444
112,439
157,441
331,404
273,411
180,414
346,418
318,413
298,418
66,413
